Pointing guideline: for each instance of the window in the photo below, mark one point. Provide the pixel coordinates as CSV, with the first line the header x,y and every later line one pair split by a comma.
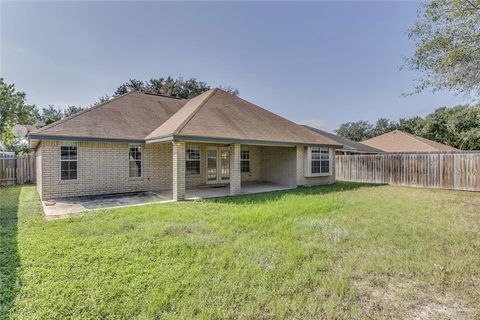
x,y
68,161
135,161
192,160
319,161
245,161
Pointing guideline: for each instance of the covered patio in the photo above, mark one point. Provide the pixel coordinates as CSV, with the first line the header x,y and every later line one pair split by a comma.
x,y
65,207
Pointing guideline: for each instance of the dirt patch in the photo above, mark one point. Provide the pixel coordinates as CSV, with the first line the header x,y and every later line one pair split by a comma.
x,y
408,300
329,230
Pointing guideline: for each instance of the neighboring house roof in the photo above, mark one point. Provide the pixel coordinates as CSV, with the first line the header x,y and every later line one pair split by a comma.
x,y
348,145
399,141
213,115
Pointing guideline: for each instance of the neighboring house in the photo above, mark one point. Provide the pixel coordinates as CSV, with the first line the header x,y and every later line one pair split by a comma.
x,y
399,141
144,142
349,146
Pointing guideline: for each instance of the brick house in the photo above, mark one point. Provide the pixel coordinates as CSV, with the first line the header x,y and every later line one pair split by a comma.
x,y
144,142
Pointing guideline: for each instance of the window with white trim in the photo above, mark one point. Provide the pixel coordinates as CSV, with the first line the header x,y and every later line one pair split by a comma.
x,y
192,160
245,161
135,161
68,161
318,161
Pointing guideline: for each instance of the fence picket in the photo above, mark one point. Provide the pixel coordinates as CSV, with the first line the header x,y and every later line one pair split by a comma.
x,y
16,169
454,170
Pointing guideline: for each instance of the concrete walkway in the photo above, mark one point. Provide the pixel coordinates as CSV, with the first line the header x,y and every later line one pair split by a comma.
x,y
65,207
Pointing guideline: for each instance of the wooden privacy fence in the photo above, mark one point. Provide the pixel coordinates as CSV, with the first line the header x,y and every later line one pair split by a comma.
x,y
16,169
447,170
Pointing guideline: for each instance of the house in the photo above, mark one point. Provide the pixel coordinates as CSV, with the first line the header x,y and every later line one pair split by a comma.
x,y
144,142
349,146
399,141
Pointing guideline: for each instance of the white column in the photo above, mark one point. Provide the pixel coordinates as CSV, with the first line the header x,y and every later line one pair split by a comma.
x,y
178,191
235,174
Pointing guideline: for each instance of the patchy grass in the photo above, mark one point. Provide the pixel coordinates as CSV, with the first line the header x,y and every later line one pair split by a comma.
x,y
345,251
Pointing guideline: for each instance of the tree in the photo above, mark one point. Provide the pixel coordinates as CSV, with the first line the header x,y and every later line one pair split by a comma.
x,y
356,131
14,110
70,110
101,100
411,125
383,125
447,40
179,88
50,115
458,127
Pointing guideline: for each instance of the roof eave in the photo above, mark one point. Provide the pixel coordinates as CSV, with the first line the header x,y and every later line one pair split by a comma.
x,y
36,136
233,140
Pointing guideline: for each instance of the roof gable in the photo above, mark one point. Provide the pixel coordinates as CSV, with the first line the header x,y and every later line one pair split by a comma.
x,y
218,114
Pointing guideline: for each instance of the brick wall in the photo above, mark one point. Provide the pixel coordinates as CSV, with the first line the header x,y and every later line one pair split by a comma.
x,y
103,169
278,165
306,181
255,166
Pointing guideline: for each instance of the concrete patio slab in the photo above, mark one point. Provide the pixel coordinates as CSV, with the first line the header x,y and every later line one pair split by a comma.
x,y
65,207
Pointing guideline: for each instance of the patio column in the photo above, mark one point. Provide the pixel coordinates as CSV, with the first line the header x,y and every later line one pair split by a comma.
x,y
178,192
235,174
300,165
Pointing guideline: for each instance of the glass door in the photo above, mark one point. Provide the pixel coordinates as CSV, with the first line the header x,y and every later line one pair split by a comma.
x,y
218,165
224,165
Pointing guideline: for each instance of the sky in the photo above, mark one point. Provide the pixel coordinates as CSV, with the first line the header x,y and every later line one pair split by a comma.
x,y
316,63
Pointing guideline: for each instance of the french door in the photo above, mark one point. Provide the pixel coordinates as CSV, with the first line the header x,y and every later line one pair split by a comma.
x,y
218,165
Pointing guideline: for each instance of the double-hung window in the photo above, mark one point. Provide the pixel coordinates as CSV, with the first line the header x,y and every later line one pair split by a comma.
x,y
245,161
192,160
135,161
318,161
68,161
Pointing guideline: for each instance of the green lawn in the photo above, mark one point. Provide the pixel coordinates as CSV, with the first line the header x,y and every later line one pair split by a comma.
x,y
346,251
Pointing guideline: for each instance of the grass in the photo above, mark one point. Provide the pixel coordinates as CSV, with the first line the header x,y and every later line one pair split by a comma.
x,y
346,251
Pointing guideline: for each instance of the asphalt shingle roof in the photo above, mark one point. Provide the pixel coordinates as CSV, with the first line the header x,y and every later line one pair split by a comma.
x,y
348,145
399,141
213,114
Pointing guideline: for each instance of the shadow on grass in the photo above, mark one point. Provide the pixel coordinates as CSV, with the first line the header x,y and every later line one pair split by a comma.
x,y
9,257
338,186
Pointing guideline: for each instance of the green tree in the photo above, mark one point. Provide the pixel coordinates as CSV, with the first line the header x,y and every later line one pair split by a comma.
x,y
447,41
14,110
356,131
412,125
101,100
70,110
383,125
179,88
50,115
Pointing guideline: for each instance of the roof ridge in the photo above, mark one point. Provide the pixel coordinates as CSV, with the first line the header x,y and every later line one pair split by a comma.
x,y
417,138
273,113
56,123
161,95
194,112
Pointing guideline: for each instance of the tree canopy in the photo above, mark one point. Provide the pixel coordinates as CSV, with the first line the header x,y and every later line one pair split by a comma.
x,y
178,88
14,110
447,40
458,127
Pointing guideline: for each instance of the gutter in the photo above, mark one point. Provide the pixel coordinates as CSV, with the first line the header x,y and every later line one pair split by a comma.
x,y
181,138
